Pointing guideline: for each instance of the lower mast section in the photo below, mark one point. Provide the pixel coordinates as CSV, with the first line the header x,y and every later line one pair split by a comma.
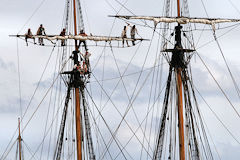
x,y
179,86
180,115
78,124
77,82
77,95
178,63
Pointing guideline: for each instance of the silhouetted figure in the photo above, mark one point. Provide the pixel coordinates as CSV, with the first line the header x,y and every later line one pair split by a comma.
x,y
124,35
40,32
82,33
133,33
29,35
63,33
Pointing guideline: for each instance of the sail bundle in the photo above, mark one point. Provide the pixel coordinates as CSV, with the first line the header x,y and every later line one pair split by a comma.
x,y
82,38
180,20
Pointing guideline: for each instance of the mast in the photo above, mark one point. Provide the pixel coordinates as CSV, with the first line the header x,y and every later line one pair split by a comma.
x,y
19,140
75,23
179,93
77,80
77,96
78,125
180,115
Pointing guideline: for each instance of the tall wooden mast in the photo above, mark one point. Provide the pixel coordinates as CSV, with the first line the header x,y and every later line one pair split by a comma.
x,y
75,23
180,115
180,103
77,96
19,140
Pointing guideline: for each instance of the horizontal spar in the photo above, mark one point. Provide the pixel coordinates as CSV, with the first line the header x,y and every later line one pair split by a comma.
x,y
82,38
180,20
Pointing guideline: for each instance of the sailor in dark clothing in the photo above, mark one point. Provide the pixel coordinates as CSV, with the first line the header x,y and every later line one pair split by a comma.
x,y
124,35
40,32
63,33
82,33
133,32
29,35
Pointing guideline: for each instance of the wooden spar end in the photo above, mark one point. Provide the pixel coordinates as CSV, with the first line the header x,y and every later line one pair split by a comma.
x,y
15,35
112,16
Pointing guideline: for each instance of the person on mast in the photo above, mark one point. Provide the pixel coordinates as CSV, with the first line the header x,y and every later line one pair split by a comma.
x,y
82,33
29,35
124,35
133,32
40,32
86,57
63,33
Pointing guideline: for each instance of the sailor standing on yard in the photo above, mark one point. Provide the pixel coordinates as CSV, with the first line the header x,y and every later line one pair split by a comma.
x,y
29,35
63,33
40,32
82,33
124,35
133,32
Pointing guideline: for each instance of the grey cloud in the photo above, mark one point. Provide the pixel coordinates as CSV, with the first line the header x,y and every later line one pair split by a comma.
x,y
8,66
14,16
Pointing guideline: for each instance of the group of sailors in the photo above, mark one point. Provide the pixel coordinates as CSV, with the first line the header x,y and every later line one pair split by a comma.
x,y
133,32
83,65
41,32
82,33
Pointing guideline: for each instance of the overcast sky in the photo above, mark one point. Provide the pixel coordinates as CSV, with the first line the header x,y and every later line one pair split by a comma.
x,y
17,16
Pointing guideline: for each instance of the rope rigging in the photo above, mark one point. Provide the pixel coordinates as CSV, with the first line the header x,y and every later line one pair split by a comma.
x,y
194,128
159,141
131,100
87,127
58,150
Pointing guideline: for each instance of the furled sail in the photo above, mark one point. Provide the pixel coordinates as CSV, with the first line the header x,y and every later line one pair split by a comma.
x,y
81,38
180,20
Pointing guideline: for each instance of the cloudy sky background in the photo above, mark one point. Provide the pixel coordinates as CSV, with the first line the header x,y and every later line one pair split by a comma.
x,y
15,14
